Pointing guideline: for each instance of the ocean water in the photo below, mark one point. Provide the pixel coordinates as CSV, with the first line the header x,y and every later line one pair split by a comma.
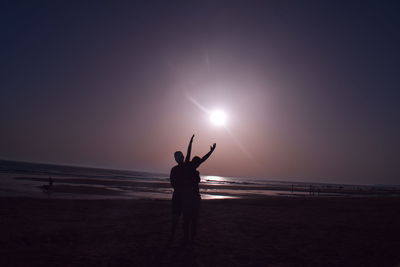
x,y
22,179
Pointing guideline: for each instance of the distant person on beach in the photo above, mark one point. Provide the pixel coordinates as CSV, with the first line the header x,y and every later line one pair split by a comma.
x,y
48,188
185,180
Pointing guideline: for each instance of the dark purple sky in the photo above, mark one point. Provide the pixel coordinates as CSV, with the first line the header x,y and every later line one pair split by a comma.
x,y
311,88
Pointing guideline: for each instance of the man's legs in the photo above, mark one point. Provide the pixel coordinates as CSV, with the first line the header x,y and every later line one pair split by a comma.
x,y
193,227
186,228
176,213
175,220
195,216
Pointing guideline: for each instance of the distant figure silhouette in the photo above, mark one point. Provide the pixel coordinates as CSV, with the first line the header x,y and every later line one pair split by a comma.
x,y
185,180
48,188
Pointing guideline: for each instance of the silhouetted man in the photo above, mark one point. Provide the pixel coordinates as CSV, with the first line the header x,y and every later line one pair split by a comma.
x,y
177,177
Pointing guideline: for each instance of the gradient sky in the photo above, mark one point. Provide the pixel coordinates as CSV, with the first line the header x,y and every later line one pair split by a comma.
x,y
311,88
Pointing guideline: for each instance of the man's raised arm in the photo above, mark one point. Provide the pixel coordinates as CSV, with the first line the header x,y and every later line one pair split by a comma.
x,y
206,156
189,150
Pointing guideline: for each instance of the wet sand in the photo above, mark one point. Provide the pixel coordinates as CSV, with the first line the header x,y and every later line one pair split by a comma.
x,y
73,187
272,231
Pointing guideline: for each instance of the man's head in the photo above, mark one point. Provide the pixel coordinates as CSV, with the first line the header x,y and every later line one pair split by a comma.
x,y
178,157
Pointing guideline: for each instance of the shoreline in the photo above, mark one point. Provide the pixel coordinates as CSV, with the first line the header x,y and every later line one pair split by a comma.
x,y
138,189
30,179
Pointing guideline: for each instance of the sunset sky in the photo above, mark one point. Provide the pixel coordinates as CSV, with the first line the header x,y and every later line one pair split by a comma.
x,y
310,88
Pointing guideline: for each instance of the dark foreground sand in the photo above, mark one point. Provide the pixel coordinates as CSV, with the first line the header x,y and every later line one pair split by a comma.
x,y
274,231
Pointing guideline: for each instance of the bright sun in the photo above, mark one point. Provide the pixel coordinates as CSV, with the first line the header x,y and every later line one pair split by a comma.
x,y
218,117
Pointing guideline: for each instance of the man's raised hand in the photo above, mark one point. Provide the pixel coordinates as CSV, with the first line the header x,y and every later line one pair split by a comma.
x,y
213,147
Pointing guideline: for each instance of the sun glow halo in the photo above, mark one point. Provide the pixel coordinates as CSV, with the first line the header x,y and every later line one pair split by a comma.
x,y
218,117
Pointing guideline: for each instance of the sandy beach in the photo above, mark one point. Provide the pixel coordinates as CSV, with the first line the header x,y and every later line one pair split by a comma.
x,y
271,231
